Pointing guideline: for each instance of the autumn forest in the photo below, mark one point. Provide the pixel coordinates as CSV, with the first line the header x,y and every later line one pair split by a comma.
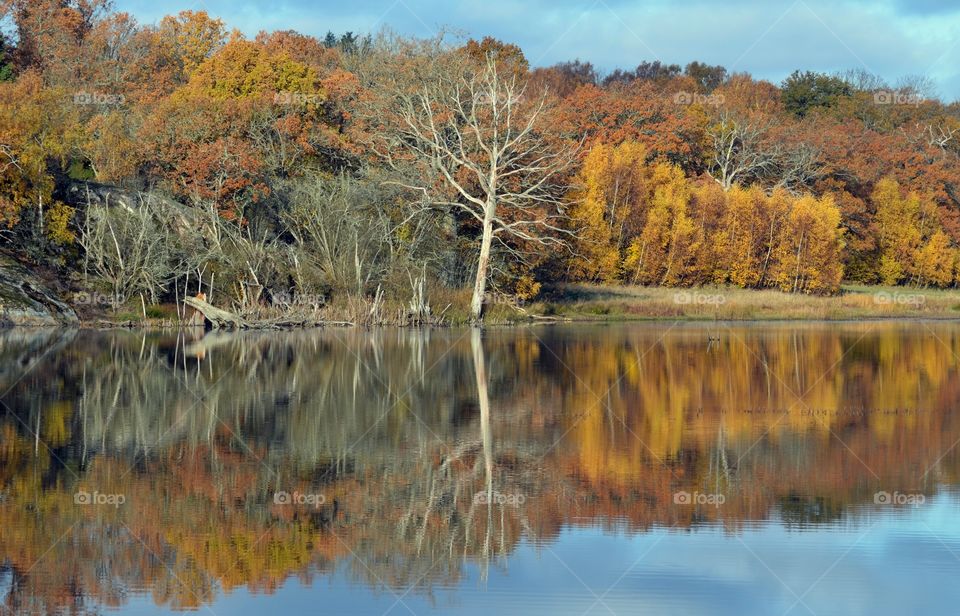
x,y
141,163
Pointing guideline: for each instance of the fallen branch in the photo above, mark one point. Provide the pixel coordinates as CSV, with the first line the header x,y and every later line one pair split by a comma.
x,y
218,318
224,319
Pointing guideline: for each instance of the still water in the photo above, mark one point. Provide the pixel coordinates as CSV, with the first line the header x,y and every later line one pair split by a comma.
x,y
775,468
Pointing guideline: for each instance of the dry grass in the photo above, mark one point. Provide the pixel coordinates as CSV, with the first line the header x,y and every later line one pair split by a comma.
x,y
581,302
592,302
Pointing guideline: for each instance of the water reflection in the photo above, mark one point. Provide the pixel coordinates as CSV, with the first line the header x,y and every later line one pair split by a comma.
x,y
415,459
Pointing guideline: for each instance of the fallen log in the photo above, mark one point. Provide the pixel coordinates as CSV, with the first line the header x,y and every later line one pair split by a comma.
x,y
224,319
296,322
218,318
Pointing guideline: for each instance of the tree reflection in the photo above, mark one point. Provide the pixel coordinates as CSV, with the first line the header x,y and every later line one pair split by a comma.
x,y
437,448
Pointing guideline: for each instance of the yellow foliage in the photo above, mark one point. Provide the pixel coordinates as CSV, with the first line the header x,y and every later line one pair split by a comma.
x,y
891,270
34,130
526,287
898,219
913,245
611,198
192,37
936,260
738,242
107,141
58,224
665,244
807,258
244,69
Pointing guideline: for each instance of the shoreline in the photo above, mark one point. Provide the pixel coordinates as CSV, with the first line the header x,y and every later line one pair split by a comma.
x,y
126,326
573,304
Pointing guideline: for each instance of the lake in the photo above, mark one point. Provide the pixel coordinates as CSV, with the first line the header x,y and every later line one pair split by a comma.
x,y
665,468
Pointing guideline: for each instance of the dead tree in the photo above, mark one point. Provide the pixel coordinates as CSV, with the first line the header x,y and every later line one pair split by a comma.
x,y
738,151
476,138
743,151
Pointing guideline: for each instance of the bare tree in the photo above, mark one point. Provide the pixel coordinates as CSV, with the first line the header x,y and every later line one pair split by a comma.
x,y
744,152
739,152
126,247
477,138
798,167
940,135
919,86
862,80
342,229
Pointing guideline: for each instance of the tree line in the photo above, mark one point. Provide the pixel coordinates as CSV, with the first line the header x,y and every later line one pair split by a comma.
x,y
286,169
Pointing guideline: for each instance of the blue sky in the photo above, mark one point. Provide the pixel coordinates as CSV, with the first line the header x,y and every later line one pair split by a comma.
x,y
874,561
768,38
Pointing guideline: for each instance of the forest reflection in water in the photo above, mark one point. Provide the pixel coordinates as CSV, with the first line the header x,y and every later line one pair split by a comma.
x,y
181,468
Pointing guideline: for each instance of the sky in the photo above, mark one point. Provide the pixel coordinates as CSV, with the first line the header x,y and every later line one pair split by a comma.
x,y
897,560
768,38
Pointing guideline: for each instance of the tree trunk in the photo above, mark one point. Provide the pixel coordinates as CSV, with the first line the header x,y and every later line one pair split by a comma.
x,y
483,398
483,265
486,436
796,279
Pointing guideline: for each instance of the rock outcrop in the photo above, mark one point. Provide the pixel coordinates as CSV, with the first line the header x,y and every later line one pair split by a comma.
x,y
180,218
26,300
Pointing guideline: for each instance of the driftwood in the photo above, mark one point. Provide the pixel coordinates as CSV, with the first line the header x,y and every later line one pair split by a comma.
x,y
538,317
219,319
224,319
296,322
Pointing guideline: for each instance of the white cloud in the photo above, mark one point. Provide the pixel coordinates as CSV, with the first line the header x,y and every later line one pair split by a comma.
x,y
769,39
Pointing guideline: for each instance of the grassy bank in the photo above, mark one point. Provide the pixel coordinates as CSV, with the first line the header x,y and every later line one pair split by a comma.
x,y
600,303
592,302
